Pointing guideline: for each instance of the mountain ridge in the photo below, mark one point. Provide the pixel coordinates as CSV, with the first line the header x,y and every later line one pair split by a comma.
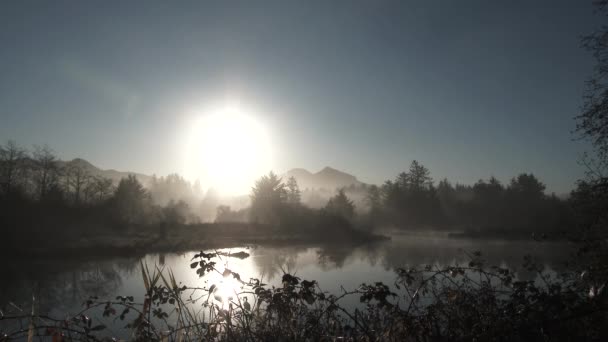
x,y
327,178
96,171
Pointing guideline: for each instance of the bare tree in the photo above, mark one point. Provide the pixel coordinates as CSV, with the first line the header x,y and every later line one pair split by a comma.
x,y
12,164
77,181
45,170
98,189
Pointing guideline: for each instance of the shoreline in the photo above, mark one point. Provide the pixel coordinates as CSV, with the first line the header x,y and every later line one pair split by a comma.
x,y
139,242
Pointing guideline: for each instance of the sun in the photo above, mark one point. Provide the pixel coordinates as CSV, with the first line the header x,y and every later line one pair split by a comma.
x,y
228,150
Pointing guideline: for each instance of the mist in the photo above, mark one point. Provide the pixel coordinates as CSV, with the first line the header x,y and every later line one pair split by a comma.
x,y
304,171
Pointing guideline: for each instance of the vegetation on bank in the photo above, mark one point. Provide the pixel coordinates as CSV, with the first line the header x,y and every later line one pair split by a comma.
x,y
520,207
43,200
460,302
52,207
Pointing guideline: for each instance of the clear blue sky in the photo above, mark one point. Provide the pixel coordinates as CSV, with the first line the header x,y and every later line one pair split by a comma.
x,y
469,88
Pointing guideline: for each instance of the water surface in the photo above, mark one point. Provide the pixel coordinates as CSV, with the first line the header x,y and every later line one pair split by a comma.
x,y
61,286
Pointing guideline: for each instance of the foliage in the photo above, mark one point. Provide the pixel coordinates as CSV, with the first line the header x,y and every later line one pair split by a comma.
x,y
459,302
592,123
177,213
590,199
521,207
293,192
268,198
340,205
131,200
12,166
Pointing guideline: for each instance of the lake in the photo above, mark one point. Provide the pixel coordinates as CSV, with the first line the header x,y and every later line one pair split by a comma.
x,y
61,286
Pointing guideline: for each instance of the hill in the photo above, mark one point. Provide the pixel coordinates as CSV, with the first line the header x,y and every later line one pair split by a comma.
x,y
112,174
328,178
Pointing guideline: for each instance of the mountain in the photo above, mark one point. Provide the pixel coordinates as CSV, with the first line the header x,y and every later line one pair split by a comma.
x,y
328,178
114,175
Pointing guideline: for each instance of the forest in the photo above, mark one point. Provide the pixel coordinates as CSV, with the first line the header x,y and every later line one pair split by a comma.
x,y
57,201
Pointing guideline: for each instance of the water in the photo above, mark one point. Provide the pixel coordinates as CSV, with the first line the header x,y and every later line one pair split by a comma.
x,y
61,286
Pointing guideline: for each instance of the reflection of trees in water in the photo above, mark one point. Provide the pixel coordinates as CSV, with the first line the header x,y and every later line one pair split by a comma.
x,y
333,257
64,284
272,262
413,252
61,284
372,252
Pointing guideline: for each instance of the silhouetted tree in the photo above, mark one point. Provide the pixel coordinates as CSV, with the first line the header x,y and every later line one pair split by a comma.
x,y
527,186
173,187
131,200
373,199
226,214
488,203
98,189
77,179
448,199
340,205
223,213
411,198
419,177
12,165
592,123
267,199
293,192
45,170
176,212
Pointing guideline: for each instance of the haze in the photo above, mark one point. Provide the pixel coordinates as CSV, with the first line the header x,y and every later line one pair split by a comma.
x,y
345,170
470,91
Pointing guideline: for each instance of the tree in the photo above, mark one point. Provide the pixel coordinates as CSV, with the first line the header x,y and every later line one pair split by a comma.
x,y
77,179
46,172
131,200
449,201
592,123
419,177
176,212
12,164
340,205
488,201
527,186
267,199
223,213
293,192
373,198
98,189
591,196
226,214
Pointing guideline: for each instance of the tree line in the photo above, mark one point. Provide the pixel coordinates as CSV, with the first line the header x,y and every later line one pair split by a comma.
x,y
44,200
41,176
413,200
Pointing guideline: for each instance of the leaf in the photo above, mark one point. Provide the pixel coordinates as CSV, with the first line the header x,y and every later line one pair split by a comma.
x,y
194,264
145,276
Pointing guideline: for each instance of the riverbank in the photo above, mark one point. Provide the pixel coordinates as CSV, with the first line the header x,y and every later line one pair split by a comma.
x,y
140,240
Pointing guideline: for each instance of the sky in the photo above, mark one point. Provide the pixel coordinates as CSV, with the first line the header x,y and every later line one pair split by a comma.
x,y
469,88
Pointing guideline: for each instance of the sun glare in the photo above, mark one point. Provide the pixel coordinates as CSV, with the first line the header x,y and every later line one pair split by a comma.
x,y
228,149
